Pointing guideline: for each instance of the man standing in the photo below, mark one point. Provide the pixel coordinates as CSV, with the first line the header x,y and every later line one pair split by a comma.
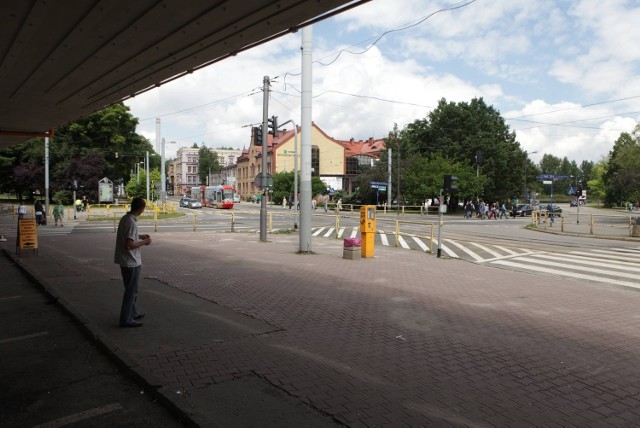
x,y
58,213
128,254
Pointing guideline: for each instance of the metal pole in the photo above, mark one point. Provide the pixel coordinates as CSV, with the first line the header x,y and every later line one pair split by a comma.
x,y
147,171
398,197
305,149
440,225
263,172
389,174
163,182
577,203
46,175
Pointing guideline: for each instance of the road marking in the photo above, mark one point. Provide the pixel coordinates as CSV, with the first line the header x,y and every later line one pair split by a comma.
x,y
354,232
77,417
583,269
590,261
599,256
487,249
329,232
564,272
383,238
341,232
446,249
403,243
2,299
424,247
28,336
466,250
318,232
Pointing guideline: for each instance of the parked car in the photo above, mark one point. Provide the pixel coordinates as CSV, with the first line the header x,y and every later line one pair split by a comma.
x,y
523,210
547,208
236,199
193,203
184,202
573,203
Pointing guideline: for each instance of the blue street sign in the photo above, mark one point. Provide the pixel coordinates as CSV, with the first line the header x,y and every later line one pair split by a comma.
x,y
551,177
571,191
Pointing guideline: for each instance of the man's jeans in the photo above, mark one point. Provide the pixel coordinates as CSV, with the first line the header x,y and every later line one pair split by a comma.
x,y
130,276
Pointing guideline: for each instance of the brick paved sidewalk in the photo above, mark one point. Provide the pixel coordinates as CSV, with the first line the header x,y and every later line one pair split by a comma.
x,y
403,338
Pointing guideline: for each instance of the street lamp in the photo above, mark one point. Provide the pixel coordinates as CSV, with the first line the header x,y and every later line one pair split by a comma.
x,y
526,195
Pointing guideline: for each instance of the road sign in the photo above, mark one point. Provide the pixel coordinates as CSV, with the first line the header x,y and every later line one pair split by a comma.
x,y
263,181
551,177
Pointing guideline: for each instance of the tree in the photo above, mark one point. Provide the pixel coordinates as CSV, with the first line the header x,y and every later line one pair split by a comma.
x,y
456,132
101,144
622,176
207,164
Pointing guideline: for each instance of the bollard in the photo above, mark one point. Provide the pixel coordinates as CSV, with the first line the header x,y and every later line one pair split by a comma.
x,y
351,248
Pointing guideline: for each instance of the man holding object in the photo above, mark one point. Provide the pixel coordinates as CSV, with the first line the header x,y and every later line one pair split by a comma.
x,y
128,255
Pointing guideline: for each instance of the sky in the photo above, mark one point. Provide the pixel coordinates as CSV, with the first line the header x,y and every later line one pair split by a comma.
x,y
564,74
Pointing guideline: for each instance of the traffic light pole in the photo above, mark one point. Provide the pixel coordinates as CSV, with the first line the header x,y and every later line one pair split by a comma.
x,y
263,169
440,224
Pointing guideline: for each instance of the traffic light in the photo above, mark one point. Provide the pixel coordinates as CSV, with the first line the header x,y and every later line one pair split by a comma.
x,y
449,183
257,134
479,157
273,125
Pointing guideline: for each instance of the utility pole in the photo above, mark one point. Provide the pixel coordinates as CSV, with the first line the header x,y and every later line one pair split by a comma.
x,y
305,149
263,169
389,174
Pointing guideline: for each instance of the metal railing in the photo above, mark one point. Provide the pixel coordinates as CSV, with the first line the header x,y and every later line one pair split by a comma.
x,y
608,225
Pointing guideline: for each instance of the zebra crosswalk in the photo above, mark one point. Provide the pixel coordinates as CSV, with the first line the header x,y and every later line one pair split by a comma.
x,y
473,251
616,266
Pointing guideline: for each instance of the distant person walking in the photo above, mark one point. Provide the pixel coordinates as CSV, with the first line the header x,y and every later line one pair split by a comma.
x,y
22,210
37,207
58,214
128,254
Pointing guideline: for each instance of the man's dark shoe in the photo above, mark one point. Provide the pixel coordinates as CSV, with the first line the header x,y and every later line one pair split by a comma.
x,y
138,316
132,324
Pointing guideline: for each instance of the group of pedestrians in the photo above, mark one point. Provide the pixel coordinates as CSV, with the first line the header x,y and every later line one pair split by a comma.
x,y
484,210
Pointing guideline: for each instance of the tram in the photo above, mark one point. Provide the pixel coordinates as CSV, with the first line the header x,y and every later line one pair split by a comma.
x,y
214,196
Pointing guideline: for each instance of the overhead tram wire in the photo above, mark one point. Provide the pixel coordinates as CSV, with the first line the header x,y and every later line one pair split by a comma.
x,y
575,107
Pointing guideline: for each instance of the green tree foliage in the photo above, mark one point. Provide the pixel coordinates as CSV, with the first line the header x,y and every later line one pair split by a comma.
x,y
595,183
101,144
455,132
137,187
207,164
283,186
622,176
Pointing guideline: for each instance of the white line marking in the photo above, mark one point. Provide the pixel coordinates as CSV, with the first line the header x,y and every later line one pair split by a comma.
x,y
354,232
340,232
507,250
383,238
574,275
466,250
599,256
28,336
318,232
403,243
625,266
445,249
77,417
421,244
329,232
582,269
487,249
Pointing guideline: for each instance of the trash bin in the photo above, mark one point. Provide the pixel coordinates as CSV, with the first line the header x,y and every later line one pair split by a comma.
x,y
351,248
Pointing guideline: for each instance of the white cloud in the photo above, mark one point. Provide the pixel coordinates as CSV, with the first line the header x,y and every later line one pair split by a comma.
x,y
523,57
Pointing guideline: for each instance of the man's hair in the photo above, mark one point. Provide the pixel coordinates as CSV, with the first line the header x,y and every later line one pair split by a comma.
x,y
137,204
